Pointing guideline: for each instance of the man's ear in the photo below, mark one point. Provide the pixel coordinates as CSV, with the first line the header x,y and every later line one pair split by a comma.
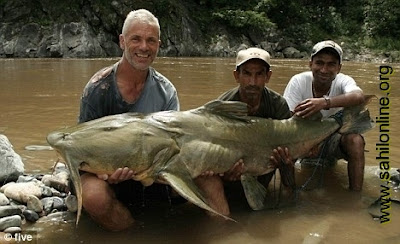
x,y
340,67
121,42
236,75
269,73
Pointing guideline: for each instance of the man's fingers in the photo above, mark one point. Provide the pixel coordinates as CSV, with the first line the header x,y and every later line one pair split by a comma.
x,y
118,176
102,177
280,155
207,173
125,174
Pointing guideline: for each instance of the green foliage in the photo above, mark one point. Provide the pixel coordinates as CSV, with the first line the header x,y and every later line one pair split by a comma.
x,y
232,4
240,19
374,21
382,19
382,43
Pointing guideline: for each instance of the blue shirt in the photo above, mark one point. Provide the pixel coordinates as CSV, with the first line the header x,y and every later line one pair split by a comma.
x,y
101,96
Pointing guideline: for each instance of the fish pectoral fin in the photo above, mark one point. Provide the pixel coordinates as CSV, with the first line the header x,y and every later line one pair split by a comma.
x,y
255,192
185,186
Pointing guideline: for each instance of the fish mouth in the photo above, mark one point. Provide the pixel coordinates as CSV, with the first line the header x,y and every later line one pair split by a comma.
x,y
55,137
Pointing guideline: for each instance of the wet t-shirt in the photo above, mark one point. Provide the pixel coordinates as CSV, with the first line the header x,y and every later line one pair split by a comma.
x,y
101,96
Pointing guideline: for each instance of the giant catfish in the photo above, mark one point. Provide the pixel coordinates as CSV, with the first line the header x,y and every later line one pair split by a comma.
x,y
173,147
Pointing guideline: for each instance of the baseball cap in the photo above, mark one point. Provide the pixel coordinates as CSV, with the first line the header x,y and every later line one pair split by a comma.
x,y
327,44
251,53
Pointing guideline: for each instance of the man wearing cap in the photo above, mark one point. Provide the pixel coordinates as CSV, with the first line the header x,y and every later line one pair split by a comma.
x,y
324,89
252,73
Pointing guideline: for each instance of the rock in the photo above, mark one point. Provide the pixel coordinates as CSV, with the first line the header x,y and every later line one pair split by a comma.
x,y
13,230
59,181
28,41
38,176
46,191
30,215
11,165
56,193
72,203
47,204
10,221
25,178
9,210
6,185
61,167
394,56
21,191
58,203
34,204
291,52
63,216
16,203
3,200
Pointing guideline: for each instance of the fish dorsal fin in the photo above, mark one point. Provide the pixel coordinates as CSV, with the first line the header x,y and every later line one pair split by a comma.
x,y
230,109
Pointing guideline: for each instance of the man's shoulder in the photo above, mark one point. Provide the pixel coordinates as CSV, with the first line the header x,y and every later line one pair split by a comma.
x,y
160,78
343,77
101,74
229,95
275,98
273,95
102,79
302,77
276,104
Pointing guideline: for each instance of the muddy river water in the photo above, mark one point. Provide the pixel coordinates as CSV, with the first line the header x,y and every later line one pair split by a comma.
x,y
41,95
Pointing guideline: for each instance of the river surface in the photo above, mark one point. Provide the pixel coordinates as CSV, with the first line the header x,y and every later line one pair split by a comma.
x,y
38,96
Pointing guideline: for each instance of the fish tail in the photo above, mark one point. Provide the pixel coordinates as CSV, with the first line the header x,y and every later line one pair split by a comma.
x,y
355,119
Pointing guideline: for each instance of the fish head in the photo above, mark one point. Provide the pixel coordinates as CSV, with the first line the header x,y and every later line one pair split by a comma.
x,y
105,144
101,146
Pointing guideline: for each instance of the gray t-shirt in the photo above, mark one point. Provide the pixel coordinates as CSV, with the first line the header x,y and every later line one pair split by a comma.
x,y
101,96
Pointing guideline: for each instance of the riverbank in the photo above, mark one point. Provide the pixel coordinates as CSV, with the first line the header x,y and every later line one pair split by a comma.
x,y
90,29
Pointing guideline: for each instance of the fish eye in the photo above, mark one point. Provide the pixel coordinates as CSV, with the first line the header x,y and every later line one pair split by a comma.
x,y
65,135
109,128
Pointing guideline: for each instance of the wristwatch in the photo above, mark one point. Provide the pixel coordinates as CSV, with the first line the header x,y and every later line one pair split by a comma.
x,y
328,102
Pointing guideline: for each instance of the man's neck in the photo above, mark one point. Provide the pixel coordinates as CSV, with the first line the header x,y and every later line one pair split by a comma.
x,y
320,90
130,81
253,103
127,74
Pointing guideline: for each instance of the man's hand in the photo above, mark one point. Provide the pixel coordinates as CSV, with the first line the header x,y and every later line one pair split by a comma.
x,y
118,176
309,107
280,155
281,159
232,174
